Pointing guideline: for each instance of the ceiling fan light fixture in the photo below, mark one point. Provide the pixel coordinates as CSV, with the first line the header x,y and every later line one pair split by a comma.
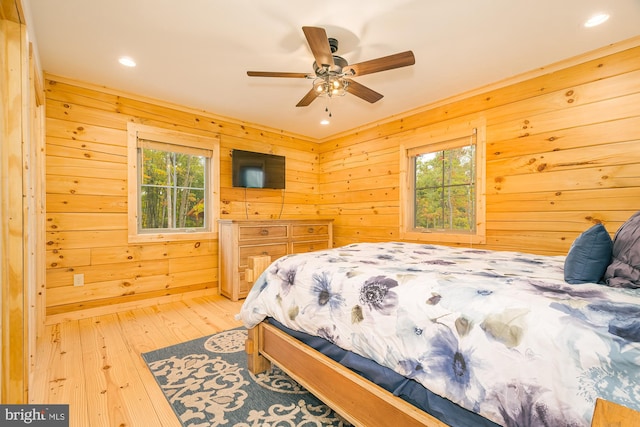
x,y
330,86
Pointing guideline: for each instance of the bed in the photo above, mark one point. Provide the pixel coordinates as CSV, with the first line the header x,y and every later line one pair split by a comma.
x,y
499,336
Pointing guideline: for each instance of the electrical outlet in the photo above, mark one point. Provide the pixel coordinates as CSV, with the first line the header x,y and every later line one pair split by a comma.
x,y
78,280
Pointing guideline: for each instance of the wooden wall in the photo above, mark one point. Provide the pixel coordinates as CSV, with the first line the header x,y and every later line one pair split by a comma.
x,y
86,208
563,152
12,275
22,275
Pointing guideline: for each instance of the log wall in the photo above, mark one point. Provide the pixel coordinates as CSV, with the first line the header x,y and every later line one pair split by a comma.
x,y
563,153
86,204
22,274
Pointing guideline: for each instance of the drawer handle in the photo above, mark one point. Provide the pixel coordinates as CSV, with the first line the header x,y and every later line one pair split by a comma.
x,y
310,230
265,253
264,232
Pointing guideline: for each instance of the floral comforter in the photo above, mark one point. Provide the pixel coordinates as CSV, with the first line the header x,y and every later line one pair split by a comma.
x,y
499,333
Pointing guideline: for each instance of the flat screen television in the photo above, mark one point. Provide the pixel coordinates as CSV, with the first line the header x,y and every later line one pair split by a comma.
x,y
257,170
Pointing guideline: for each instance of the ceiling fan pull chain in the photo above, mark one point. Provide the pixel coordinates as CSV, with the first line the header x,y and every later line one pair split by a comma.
x,y
326,108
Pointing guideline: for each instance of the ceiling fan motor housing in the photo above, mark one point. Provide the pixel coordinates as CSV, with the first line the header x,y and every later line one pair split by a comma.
x,y
333,44
339,63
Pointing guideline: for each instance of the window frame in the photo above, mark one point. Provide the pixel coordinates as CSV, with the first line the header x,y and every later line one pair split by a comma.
x,y
440,137
137,136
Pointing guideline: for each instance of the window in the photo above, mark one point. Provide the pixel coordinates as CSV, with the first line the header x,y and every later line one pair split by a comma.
x,y
173,185
173,193
444,189
443,197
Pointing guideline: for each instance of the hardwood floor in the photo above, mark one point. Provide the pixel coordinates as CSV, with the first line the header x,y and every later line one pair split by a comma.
x,y
94,364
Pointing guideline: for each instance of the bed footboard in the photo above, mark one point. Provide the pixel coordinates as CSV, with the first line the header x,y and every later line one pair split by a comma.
x,y
359,401
256,363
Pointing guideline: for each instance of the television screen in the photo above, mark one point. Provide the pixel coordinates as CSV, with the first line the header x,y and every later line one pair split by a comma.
x,y
257,170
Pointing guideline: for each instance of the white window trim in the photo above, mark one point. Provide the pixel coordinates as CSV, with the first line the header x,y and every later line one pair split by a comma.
x,y
436,137
137,131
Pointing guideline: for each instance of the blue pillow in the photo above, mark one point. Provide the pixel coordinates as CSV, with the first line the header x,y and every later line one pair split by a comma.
x,y
589,256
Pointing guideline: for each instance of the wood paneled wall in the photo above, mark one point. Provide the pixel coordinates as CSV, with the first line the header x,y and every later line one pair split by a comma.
x,y
86,209
22,274
563,152
13,337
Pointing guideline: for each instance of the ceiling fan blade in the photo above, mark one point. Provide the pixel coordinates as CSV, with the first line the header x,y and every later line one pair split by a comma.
x,y
276,74
384,63
308,98
319,44
361,91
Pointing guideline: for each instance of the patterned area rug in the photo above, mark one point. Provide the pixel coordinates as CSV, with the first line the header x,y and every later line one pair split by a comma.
x,y
207,383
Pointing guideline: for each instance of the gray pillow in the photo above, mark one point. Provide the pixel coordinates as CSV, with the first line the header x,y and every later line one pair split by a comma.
x,y
588,257
624,270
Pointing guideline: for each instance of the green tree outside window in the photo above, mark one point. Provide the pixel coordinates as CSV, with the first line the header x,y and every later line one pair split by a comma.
x,y
172,190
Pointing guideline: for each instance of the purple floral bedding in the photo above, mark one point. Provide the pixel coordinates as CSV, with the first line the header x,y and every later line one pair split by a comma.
x,y
499,333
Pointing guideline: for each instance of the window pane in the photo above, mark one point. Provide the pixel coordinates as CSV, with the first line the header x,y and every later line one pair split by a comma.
x,y
459,207
459,165
172,190
427,215
154,207
445,190
190,204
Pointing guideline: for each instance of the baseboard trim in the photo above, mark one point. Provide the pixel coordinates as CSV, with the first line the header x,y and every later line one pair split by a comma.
x,y
115,308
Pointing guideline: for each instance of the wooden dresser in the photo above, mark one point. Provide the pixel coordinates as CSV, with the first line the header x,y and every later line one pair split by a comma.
x,y
241,239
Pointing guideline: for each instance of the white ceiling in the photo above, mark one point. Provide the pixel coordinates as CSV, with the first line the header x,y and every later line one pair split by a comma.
x,y
196,52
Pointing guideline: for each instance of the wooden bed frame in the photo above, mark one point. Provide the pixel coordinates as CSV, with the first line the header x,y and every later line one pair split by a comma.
x,y
357,400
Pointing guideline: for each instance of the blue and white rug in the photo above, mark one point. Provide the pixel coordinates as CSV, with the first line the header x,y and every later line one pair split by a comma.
x,y
207,383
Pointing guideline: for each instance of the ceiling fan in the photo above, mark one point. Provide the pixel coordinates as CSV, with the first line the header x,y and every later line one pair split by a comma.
x,y
332,73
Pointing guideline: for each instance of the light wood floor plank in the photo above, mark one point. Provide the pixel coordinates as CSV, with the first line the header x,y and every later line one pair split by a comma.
x,y
196,321
73,389
173,326
104,384
95,364
219,312
42,369
60,376
125,368
142,341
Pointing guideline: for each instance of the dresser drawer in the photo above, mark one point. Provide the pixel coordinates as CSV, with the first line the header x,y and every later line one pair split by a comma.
x,y
275,251
243,238
262,232
309,230
299,247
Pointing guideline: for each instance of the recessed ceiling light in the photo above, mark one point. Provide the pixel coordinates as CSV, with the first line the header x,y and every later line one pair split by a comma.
x,y
596,20
127,62
324,122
